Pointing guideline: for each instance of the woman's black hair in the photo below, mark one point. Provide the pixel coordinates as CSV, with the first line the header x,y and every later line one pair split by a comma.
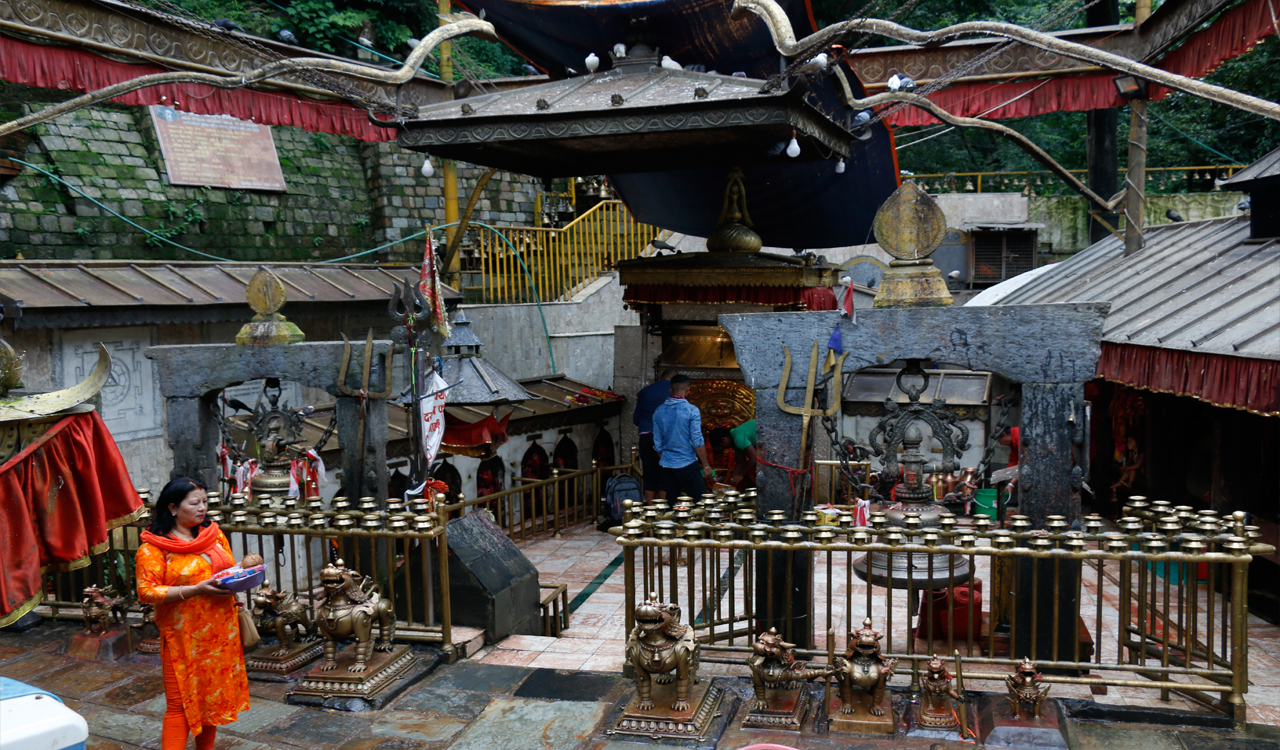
x,y
162,519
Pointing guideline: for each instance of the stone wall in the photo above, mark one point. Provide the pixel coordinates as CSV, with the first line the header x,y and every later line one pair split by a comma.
x,y
343,196
581,333
1066,218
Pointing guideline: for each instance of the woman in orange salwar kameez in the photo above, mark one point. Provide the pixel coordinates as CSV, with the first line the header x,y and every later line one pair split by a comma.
x,y
205,682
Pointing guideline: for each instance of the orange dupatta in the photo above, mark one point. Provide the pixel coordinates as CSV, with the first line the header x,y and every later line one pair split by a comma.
x,y
205,543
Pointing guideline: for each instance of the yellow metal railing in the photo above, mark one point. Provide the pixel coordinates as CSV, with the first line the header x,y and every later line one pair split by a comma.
x,y
1159,179
559,261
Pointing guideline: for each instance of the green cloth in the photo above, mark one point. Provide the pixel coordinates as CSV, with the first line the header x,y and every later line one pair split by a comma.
x,y
744,435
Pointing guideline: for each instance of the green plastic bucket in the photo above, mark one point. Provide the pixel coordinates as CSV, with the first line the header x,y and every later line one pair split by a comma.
x,y
986,502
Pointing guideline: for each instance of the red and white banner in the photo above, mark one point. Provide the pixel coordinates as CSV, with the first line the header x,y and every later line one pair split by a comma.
x,y
429,285
431,407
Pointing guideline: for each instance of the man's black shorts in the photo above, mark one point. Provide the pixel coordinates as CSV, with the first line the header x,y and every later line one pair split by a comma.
x,y
686,480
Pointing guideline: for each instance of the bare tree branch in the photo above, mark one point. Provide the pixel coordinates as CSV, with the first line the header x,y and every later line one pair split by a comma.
x,y
784,40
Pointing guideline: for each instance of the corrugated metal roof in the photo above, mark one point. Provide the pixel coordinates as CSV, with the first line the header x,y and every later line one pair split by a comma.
x,y
1267,166
1200,286
46,285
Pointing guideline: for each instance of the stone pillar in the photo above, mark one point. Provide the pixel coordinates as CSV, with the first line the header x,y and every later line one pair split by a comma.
x,y
367,478
778,441
1052,425
193,435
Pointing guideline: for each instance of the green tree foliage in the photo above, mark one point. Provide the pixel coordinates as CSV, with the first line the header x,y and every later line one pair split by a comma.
x,y
332,26
1184,130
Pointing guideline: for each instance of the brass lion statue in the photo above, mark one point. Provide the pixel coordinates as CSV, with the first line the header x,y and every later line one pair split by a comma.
x,y
658,646
773,665
862,666
349,609
101,608
280,611
1024,687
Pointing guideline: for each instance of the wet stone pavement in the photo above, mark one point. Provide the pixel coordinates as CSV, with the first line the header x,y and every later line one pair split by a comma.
x,y
470,705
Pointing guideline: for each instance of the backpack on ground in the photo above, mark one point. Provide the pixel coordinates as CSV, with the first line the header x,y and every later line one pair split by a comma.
x,y
618,488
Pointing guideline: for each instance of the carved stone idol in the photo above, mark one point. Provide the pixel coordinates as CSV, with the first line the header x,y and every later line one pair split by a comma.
x,y
351,606
936,708
862,675
658,647
1025,688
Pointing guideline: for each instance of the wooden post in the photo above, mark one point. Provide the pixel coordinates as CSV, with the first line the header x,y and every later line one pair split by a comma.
x,y
1136,179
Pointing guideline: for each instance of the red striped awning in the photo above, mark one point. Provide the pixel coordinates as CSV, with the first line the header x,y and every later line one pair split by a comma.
x,y
1235,32
71,69
1234,382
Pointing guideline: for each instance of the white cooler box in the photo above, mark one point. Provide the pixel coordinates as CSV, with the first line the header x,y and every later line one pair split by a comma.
x,y
32,719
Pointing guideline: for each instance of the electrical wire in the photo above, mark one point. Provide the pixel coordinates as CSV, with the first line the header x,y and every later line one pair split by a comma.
x,y
537,299
1206,146
116,214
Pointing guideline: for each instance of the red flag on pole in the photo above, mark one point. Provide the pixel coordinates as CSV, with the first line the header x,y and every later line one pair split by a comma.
x,y
429,285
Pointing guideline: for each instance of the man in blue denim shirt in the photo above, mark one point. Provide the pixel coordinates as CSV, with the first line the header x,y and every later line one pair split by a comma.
x,y
647,402
677,436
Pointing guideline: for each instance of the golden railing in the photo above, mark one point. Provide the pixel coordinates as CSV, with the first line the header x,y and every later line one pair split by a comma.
x,y
544,506
1159,179
554,263
404,549
1156,601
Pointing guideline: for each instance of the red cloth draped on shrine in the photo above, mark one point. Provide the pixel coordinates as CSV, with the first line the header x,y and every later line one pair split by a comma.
x,y
1235,32
79,70
475,439
1235,382
59,499
814,298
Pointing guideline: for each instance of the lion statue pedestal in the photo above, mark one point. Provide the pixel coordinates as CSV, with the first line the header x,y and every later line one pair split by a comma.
x,y
780,698
366,674
862,675
103,637
669,701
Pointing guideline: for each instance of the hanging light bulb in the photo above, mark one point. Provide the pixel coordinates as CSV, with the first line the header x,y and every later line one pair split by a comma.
x,y
793,148
840,167
427,169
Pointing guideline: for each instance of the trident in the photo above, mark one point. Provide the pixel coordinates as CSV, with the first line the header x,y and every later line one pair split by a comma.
x,y
806,412
364,395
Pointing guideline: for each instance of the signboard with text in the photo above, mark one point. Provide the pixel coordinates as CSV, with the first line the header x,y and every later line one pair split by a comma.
x,y
217,151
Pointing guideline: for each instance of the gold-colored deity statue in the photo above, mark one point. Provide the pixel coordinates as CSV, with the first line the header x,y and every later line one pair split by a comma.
x,y
936,708
351,607
660,648
1025,688
863,667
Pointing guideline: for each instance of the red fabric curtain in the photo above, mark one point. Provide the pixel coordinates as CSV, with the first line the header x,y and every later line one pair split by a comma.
x,y
1235,32
822,297
79,70
1235,382
59,499
474,438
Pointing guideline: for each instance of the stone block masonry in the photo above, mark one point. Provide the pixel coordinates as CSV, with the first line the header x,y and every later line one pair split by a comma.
x,y
343,196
